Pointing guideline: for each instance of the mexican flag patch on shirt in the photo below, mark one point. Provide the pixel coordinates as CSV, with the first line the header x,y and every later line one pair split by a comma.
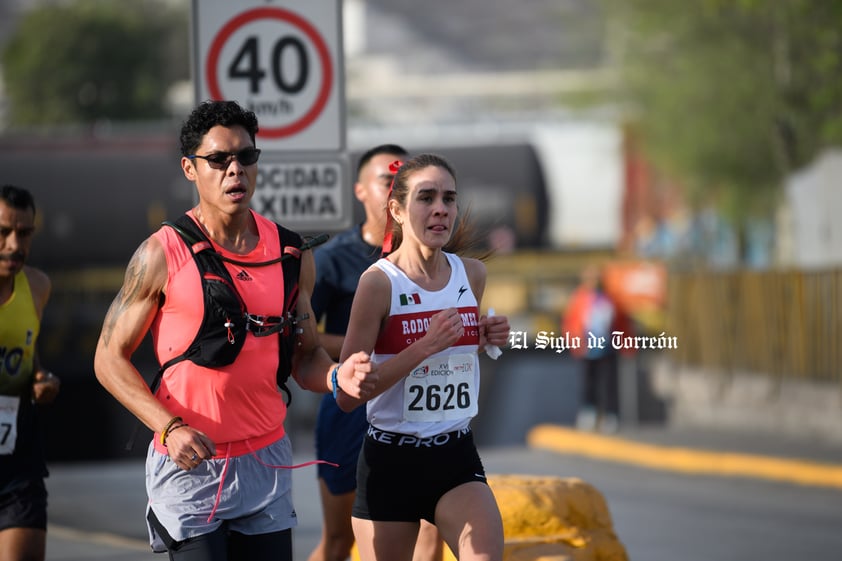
x,y
407,299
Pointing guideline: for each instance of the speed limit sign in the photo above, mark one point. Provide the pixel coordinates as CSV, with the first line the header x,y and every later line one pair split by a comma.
x,y
281,59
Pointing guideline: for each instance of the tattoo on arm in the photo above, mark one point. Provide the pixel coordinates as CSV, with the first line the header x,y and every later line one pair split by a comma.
x,y
135,274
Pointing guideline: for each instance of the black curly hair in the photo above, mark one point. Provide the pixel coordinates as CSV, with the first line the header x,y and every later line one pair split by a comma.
x,y
17,197
209,114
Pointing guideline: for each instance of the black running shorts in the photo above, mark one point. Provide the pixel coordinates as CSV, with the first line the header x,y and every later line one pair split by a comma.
x,y
401,478
25,506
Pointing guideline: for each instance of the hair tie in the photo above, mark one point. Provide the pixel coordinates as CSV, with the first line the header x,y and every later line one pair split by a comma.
x,y
394,168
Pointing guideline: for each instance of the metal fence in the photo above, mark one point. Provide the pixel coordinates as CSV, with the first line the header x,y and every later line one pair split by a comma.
x,y
785,324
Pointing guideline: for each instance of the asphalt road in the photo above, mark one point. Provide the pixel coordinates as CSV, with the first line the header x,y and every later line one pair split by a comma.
x,y
668,495
96,509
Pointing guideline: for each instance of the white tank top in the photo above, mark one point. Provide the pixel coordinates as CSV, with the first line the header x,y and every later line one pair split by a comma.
x,y
440,394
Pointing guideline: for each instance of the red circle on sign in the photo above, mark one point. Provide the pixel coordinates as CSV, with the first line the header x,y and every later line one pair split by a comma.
x,y
280,14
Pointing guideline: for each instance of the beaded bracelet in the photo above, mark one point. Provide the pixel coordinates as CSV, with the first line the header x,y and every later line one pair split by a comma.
x,y
164,432
173,429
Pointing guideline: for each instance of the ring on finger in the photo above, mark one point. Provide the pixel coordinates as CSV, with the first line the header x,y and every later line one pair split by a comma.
x,y
194,457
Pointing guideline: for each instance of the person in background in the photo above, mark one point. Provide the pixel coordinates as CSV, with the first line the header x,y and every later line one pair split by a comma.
x,y
24,384
339,435
592,314
218,468
418,308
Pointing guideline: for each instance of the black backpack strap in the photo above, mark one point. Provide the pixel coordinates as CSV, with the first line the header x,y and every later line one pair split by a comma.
x,y
206,259
291,243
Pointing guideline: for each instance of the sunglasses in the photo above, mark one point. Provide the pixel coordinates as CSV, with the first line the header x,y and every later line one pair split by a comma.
x,y
221,160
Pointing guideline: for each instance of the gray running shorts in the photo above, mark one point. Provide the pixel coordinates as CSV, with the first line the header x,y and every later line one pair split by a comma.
x,y
253,497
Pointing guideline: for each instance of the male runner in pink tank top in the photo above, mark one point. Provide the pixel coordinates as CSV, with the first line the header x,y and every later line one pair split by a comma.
x,y
215,471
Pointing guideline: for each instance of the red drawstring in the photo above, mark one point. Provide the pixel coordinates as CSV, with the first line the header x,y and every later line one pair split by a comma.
x,y
253,453
221,483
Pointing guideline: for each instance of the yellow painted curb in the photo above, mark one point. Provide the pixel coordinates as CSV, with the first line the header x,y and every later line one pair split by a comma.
x,y
684,460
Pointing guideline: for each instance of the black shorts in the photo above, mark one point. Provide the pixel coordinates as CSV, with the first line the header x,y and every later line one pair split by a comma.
x,y
25,506
401,479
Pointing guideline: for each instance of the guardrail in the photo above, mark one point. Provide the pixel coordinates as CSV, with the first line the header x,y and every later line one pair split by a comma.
x,y
785,324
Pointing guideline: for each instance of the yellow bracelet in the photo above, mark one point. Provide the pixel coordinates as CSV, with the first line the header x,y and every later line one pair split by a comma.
x,y
167,428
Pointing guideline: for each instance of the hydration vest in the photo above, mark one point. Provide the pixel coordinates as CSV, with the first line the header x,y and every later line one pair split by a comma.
x,y
226,321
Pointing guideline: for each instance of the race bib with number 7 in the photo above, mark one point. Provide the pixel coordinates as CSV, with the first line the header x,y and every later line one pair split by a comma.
x,y
9,406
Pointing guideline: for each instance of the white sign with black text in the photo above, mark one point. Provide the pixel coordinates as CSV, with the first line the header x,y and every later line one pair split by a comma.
x,y
308,196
